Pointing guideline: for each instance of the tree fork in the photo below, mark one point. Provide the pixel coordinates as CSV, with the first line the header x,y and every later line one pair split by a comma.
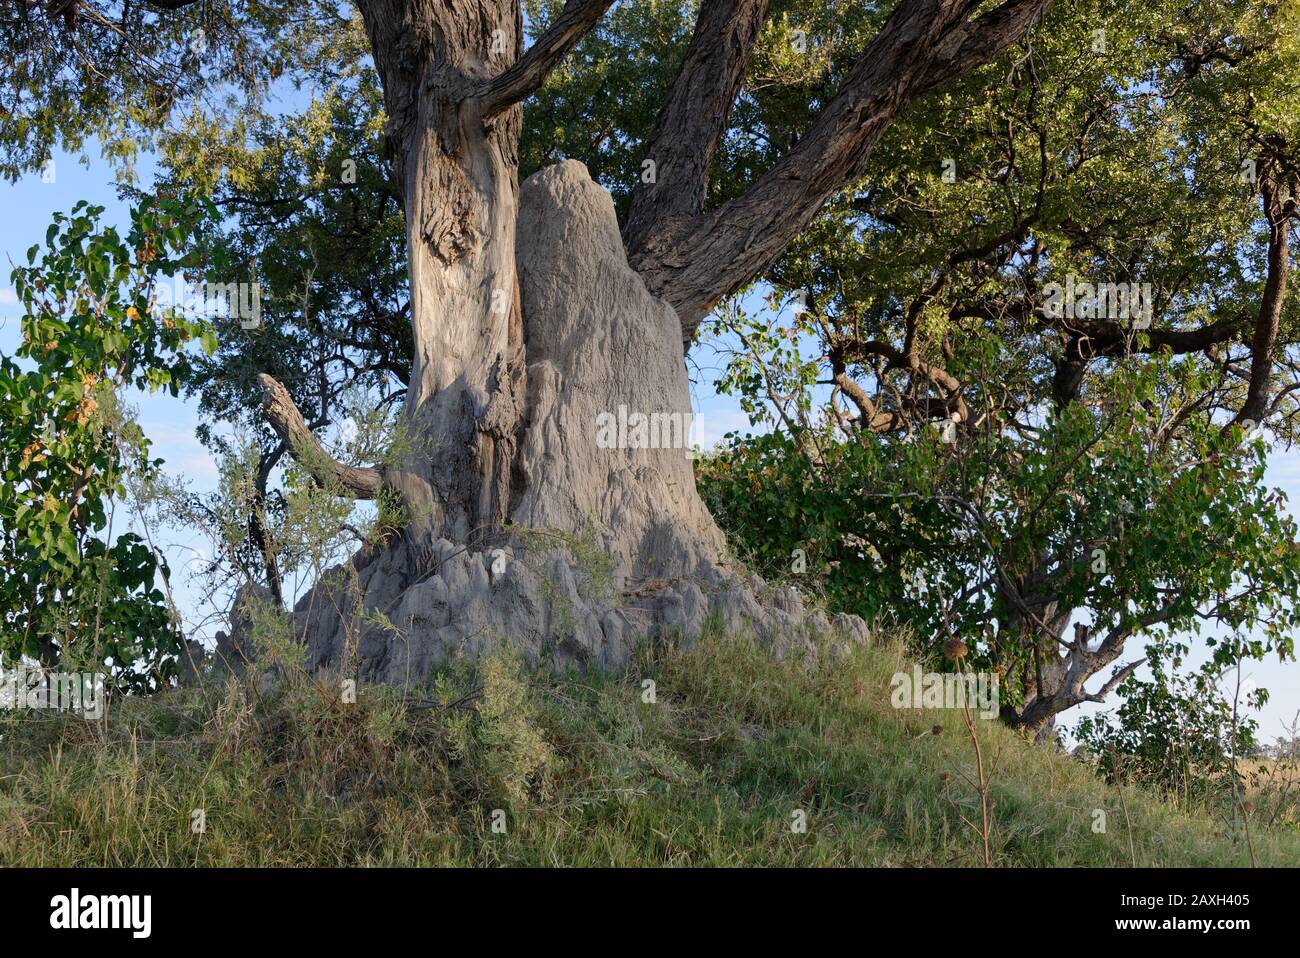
x,y
529,324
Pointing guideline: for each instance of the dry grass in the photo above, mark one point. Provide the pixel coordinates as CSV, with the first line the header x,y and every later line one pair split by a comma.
x,y
583,771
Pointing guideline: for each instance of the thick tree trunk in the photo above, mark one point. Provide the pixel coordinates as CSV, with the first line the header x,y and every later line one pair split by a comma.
x,y
1046,673
465,403
1055,677
459,174
529,522
608,544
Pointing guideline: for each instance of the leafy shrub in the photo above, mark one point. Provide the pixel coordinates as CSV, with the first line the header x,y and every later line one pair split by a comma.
x,y
91,329
1176,733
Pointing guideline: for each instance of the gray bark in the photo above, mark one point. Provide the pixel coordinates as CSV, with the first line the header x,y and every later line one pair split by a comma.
x,y
600,341
694,261
528,324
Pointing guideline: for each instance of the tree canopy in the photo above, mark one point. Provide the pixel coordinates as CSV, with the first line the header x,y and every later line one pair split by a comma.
x,y
965,434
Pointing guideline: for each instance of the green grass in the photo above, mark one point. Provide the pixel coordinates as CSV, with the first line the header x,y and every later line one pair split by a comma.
x,y
585,772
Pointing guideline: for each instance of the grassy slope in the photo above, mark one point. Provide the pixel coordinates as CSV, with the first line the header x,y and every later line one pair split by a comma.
x,y
710,774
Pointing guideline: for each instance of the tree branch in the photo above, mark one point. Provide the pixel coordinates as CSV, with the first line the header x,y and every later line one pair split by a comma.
x,y
287,421
1278,211
1113,682
978,41
1092,339
530,71
695,114
694,262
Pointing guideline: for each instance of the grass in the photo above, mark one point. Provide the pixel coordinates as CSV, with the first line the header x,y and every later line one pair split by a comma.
x,y
496,767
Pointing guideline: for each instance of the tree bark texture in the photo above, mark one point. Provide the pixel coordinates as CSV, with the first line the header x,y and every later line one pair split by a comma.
x,y
530,327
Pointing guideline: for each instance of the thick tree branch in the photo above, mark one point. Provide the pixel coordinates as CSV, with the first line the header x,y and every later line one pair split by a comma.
x,y
694,262
530,71
1113,682
287,421
980,40
695,114
914,364
870,417
1091,339
1278,211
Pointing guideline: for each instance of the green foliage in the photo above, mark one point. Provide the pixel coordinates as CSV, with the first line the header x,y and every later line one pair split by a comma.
x,y
1098,508
312,213
636,51
1175,733
90,330
129,76
1123,162
952,457
500,739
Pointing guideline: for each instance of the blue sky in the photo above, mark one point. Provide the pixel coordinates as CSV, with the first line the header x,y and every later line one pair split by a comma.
x,y
27,207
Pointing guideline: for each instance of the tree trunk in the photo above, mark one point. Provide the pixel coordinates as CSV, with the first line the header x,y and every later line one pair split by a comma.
x,y
1046,673
459,175
608,544
528,521
546,477
1055,677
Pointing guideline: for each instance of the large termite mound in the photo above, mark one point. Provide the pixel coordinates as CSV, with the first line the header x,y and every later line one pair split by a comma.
x,y
609,544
